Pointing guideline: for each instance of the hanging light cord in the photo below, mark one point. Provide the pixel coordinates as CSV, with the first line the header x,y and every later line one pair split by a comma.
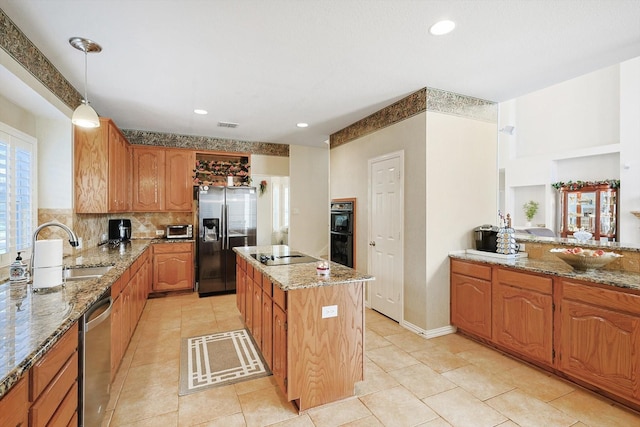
x,y
86,100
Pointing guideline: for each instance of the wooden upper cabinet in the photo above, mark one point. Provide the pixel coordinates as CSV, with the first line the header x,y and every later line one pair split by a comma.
x,y
178,179
148,173
162,179
102,167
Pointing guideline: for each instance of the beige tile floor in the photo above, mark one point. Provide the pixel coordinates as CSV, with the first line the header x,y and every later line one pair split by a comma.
x,y
410,381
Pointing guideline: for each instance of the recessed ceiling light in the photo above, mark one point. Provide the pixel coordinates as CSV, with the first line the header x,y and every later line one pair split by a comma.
x,y
303,125
441,28
201,112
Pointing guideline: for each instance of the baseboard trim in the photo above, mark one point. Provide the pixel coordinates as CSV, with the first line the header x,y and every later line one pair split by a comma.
x,y
431,333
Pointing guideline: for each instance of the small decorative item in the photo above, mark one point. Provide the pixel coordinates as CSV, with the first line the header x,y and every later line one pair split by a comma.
x,y
582,235
530,209
322,267
505,239
585,259
263,186
18,270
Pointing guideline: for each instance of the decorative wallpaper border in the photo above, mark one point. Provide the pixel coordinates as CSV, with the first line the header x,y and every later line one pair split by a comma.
x,y
140,137
19,47
426,99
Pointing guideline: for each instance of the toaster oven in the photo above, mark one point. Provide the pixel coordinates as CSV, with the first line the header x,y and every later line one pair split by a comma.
x,y
179,231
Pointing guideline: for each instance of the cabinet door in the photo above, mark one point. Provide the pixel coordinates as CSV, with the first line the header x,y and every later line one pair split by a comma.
x,y
91,176
267,328
256,317
279,368
116,336
601,346
178,183
471,304
248,303
148,179
240,286
14,406
173,267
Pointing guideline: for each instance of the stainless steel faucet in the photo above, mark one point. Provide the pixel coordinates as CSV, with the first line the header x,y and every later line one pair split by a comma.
x,y
73,240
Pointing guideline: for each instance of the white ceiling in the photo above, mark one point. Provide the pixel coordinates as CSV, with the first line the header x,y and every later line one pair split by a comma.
x,y
269,64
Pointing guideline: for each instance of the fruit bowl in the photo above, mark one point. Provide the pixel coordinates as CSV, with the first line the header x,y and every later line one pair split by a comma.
x,y
585,259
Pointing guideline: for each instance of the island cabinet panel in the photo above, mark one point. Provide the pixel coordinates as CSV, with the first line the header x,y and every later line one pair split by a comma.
x,y
267,325
14,406
241,277
256,306
471,298
600,338
325,355
279,366
172,267
522,313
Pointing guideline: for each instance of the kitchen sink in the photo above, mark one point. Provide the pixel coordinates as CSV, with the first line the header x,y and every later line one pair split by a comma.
x,y
85,273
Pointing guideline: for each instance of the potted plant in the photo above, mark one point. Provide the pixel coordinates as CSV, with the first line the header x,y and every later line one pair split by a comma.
x,y
530,209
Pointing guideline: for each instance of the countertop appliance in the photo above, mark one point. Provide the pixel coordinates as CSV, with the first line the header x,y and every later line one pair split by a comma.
x,y
95,363
119,230
486,237
227,218
179,231
342,230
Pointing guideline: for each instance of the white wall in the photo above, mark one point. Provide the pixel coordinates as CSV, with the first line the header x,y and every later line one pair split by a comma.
x,y
583,129
269,165
55,160
309,221
630,149
462,182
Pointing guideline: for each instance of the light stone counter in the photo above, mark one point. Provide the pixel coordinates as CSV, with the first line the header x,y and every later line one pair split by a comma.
x,y
31,323
300,276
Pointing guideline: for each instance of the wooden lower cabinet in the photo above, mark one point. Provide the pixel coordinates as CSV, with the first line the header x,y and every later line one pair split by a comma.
x,y
586,332
129,294
600,338
267,327
54,383
279,355
172,267
471,298
14,406
523,313
256,307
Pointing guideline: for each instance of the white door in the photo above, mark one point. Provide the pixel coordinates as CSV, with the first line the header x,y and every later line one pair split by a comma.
x,y
386,213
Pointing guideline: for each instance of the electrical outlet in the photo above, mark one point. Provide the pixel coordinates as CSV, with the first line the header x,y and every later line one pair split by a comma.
x,y
159,232
329,311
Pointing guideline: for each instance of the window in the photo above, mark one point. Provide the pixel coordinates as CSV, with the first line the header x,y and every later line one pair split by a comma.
x,y
17,205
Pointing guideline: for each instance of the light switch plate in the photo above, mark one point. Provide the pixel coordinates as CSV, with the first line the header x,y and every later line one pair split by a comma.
x,y
159,232
329,311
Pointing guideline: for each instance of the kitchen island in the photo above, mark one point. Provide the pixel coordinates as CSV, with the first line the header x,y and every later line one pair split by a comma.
x,y
309,327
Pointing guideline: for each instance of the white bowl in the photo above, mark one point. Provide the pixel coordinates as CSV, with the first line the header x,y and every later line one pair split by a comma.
x,y
588,259
582,236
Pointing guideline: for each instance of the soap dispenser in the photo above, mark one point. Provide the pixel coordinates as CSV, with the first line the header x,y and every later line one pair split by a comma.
x,y
18,270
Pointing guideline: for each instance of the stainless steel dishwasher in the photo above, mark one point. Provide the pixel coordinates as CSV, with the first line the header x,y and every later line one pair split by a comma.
x,y
95,364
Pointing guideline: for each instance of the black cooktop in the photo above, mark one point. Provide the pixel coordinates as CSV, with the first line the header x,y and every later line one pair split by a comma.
x,y
284,259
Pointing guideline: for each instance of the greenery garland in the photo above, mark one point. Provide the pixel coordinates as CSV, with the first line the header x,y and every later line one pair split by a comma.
x,y
577,185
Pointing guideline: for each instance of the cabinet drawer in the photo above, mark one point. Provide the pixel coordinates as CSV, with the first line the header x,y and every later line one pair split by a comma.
x,y
48,402
267,285
48,367
609,298
470,269
279,297
14,406
525,281
68,408
171,248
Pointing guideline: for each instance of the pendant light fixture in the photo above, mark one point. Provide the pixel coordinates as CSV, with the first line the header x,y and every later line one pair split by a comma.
x,y
85,116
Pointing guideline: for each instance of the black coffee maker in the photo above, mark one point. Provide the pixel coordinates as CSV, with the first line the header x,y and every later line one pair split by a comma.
x,y
119,230
486,237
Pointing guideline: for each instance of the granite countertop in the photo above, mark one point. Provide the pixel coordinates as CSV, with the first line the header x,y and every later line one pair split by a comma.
x,y
300,276
32,322
619,279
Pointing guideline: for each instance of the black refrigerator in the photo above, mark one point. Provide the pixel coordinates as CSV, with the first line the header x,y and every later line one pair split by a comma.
x,y
227,218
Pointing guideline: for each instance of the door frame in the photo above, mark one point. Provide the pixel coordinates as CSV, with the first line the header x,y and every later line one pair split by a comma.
x,y
400,155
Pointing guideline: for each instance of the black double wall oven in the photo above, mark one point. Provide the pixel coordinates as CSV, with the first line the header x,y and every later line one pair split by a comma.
x,y
342,230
